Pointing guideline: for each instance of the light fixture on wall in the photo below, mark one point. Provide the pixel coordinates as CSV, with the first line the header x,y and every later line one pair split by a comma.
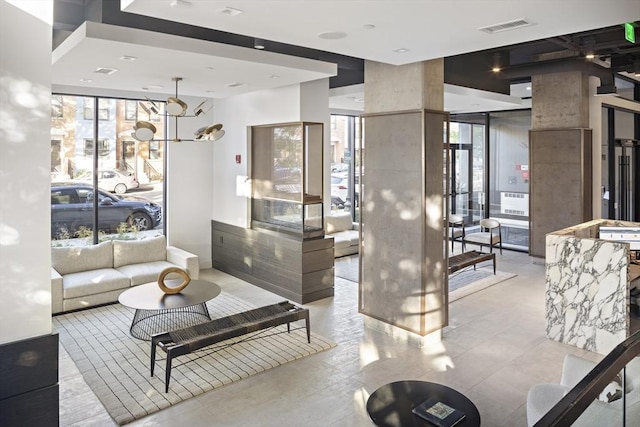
x,y
176,108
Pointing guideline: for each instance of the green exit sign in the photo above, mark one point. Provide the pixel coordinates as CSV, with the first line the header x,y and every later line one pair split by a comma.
x,y
629,32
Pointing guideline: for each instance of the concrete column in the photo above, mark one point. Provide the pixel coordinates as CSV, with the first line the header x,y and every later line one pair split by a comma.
x,y
560,100
403,269
560,155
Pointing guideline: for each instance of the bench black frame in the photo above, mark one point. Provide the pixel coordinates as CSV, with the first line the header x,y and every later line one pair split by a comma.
x,y
187,340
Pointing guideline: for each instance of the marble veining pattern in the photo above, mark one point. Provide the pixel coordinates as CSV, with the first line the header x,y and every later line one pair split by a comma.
x,y
587,292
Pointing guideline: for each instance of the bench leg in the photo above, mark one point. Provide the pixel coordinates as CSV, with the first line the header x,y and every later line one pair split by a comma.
x,y
494,266
153,355
167,373
306,319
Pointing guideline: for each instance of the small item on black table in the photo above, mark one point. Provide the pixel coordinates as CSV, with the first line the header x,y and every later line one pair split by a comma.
x,y
438,413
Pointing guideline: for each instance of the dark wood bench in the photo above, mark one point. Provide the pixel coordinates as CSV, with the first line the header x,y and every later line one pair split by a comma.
x,y
184,341
467,259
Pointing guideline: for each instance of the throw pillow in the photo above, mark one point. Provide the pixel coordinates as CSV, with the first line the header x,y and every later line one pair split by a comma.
x,y
73,259
126,252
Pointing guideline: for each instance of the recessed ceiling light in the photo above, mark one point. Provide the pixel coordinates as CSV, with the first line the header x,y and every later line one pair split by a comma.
x,y
86,80
401,50
332,35
528,87
155,87
368,26
104,70
210,91
359,100
144,88
180,3
274,76
229,11
128,58
236,84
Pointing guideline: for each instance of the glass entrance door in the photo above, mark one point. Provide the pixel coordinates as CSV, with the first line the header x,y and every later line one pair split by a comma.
x,y
626,177
461,183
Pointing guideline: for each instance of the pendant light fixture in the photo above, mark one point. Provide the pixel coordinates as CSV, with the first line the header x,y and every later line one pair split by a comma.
x,y
176,108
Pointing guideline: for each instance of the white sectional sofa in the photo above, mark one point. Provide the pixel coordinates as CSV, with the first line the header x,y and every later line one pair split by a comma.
x,y
345,233
85,276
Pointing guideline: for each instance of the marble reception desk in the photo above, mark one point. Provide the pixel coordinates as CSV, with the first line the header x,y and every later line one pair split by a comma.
x,y
587,287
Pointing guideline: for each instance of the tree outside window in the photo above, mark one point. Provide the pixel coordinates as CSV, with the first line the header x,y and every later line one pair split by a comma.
x,y
103,147
131,110
103,109
56,106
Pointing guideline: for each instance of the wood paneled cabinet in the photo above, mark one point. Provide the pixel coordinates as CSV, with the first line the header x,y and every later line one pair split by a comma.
x,y
300,270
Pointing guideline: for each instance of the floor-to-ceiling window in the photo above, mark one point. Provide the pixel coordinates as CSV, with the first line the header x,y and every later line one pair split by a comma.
x,y
345,164
92,142
620,165
509,175
490,171
467,183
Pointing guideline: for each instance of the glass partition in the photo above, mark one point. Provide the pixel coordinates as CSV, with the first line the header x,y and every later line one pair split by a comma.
x,y
286,175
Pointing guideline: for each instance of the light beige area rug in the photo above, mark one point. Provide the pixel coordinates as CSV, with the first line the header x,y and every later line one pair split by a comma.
x,y
116,365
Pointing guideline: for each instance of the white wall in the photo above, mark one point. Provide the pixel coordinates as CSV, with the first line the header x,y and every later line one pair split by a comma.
x,y
312,110
25,134
307,101
190,182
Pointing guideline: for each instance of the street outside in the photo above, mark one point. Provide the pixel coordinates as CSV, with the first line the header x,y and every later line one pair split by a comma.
x,y
151,191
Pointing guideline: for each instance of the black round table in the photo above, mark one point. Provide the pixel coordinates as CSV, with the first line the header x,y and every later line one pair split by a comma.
x,y
391,404
158,312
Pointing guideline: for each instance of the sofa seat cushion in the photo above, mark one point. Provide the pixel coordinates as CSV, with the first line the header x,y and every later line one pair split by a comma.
x,y
341,243
93,282
338,222
349,236
74,259
144,272
126,252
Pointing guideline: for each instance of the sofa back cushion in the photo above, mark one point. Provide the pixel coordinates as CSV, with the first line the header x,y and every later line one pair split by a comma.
x,y
73,259
126,252
338,222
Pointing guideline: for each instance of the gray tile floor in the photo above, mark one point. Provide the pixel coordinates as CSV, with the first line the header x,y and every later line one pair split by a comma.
x,y
493,351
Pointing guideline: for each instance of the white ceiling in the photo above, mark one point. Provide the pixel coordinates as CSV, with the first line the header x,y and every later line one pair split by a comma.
x,y
207,68
457,99
427,28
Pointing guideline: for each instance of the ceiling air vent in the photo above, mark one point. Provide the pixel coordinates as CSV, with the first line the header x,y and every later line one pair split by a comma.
x,y
511,25
102,70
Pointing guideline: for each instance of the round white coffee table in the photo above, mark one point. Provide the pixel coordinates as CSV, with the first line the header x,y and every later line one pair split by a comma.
x,y
158,312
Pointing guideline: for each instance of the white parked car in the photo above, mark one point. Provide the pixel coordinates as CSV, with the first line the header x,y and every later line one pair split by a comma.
x,y
339,186
112,180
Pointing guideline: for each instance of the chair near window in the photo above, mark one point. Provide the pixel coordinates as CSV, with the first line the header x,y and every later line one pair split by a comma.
x,y
490,235
456,229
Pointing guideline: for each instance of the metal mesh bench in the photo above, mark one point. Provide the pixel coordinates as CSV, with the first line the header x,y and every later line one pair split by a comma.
x,y
184,341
